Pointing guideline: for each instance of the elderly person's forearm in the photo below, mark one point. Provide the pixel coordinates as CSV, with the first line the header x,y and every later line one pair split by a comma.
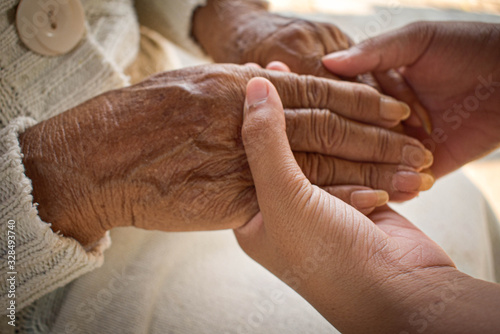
x,y
166,154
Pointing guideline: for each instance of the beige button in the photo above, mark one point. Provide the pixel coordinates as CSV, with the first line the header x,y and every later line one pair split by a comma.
x,y
50,27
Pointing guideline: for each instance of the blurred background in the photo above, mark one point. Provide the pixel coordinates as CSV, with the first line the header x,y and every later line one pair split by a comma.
x,y
362,19
366,6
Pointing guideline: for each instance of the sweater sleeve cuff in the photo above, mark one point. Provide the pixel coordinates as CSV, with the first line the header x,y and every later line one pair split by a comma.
x,y
42,260
173,19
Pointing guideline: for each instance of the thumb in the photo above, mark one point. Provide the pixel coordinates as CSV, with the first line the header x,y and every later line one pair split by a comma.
x,y
276,174
395,49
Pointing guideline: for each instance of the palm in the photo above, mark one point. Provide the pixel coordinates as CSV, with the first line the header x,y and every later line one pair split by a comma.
x,y
407,245
445,79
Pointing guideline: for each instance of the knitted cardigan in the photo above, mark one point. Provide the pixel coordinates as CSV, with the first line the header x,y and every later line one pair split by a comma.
x,y
34,88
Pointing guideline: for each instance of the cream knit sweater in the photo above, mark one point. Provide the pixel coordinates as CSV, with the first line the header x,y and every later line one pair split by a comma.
x,y
156,282
34,88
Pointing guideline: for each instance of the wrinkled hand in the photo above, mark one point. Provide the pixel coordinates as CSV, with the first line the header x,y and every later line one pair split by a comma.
x,y
167,154
454,70
364,274
239,31
298,43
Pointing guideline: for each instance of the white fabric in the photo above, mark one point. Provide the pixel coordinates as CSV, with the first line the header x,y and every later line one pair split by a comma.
x,y
44,261
202,282
172,19
155,282
40,87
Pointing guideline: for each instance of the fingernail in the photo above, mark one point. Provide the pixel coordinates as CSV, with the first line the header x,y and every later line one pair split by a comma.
x,y
257,92
427,182
366,199
423,115
392,110
411,182
338,56
417,157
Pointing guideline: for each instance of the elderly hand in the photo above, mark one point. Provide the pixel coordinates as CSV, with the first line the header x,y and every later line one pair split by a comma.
x,y
454,69
166,154
244,31
376,274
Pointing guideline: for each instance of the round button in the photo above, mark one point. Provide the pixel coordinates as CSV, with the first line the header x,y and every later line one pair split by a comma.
x,y
50,27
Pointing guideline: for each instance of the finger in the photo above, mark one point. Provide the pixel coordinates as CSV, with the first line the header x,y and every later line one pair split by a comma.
x,y
394,49
393,84
400,182
361,198
254,65
329,39
321,131
352,100
277,177
278,66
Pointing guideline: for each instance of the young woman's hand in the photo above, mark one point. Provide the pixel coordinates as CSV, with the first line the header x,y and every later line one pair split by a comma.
x,y
453,68
364,274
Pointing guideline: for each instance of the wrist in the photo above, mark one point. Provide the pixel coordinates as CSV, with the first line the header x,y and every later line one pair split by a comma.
x,y
403,302
449,301
61,194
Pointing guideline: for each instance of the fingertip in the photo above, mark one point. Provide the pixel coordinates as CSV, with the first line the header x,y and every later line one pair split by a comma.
x,y
410,182
257,92
423,116
335,58
254,65
364,200
251,227
392,110
334,62
278,66
350,62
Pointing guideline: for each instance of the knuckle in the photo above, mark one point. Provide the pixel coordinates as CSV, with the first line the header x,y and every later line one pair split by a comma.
x,y
371,176
364,98
339,132
319,128
316,91
292,126
383,144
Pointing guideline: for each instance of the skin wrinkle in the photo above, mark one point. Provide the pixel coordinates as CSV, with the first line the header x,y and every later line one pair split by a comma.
x,y
167,154
324,132
339,128
254,52
383,145
372,174
404,291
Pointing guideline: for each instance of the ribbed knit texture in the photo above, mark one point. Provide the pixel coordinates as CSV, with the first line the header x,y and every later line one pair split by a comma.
x,y
34,88
44,260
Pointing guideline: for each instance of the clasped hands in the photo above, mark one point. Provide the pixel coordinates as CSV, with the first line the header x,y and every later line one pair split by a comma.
x,y
167,154
379,273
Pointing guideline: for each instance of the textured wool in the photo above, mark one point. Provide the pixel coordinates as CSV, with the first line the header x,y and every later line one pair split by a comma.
x,y
34,88
157,282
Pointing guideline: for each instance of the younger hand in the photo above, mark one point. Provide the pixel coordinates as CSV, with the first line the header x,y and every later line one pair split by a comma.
x,y
454,70
364,275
